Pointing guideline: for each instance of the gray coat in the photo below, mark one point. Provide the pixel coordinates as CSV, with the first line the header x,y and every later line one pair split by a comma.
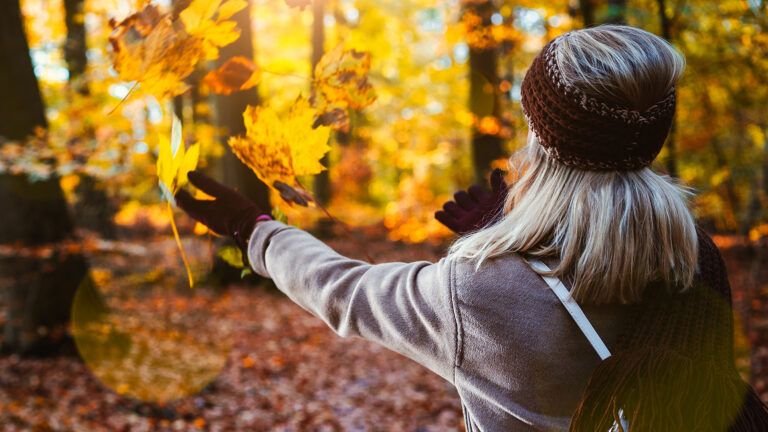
x,y
499,335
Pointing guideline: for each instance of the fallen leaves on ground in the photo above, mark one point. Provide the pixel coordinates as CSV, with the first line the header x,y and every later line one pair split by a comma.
x,y
284,371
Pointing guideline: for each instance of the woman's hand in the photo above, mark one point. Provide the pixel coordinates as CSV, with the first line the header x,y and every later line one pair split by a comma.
x,y
231,213
476,207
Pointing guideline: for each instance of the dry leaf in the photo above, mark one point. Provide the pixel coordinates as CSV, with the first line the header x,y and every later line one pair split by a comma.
x,y
149,49
341,83
174,161
158,52
279,148
238,73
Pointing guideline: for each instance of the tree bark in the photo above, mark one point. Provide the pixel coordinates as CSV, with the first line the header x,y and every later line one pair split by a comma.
x,y
93,208
75,45
617,12
322,182
666,33
229,116
39,289
484,97
587,12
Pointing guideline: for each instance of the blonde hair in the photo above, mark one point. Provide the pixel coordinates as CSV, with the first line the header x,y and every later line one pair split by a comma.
x,y
615,232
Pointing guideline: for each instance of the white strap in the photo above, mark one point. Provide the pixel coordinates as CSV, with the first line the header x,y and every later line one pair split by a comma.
x,y
573,308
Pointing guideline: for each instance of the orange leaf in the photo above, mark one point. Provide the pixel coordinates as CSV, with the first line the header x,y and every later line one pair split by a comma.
x,y
236,74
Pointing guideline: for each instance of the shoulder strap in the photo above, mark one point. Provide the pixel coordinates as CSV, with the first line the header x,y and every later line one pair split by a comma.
x,y
573,308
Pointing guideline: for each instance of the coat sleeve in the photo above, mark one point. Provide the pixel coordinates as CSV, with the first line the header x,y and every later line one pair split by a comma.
x,y
406,307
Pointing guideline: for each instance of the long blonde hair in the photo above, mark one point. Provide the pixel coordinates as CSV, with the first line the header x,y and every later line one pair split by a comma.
x,y
615,232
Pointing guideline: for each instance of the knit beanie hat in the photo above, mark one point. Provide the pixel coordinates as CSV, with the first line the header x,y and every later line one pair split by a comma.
x,y
585,132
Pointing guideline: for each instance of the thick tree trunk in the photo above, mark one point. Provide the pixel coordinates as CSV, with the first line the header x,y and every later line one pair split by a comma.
x,y
765,164
666,33
617,12
39,287
229,116
75,45
322,181
484,98
93,209
587,12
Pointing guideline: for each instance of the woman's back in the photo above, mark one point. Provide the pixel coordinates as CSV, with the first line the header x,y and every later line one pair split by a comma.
x,y
522,362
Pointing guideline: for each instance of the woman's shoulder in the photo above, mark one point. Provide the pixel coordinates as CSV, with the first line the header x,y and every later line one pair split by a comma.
x,y
496,277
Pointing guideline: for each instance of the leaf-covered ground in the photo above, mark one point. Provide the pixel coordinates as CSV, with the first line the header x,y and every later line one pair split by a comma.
x,y
282,369
248,359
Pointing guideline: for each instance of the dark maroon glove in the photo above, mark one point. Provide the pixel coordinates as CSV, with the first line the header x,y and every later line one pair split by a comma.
x,y
476,207
231,213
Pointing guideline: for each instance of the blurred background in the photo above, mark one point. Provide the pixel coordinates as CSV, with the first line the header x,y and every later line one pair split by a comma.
x,y
100,330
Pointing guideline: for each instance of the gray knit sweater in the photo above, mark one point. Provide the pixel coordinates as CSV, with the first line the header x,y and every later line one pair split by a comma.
x,y
499,335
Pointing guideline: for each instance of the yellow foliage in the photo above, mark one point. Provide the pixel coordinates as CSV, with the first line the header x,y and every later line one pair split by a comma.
x,y
213,33
158,52
174,162
279,148
341,83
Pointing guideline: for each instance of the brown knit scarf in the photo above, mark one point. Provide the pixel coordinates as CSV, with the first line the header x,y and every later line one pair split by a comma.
x,y
673,369
584,132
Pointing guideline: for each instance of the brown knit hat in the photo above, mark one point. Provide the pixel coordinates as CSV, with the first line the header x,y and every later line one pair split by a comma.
x,y
581,131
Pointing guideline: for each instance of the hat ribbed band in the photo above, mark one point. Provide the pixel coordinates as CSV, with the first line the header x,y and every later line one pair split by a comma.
x,y
583,132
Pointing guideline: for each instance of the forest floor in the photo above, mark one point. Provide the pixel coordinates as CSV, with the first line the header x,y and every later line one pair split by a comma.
x,y
246,358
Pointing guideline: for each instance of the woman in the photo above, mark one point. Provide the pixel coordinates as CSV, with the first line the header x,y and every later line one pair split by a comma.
x,y
586,205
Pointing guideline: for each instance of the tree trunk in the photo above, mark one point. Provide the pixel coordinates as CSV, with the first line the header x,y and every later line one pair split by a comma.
x,y
484,98
617,12
229,116
765,164
75,45
93,208
587,12
322,181
39,288
666,33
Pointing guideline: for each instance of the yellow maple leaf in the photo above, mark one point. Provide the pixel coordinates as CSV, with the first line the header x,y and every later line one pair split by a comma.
x,y
279,148
340,83
174,161
213,32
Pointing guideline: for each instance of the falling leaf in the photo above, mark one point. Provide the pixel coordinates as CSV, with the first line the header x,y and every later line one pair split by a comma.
x,y
291,194
340,83
174,163
158,52
148,49
214,33
238,73
279,148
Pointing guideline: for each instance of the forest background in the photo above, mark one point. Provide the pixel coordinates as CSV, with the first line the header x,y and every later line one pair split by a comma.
x,y
88,263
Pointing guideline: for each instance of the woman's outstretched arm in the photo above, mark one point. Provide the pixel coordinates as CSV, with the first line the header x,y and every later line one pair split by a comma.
x,y
406,307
